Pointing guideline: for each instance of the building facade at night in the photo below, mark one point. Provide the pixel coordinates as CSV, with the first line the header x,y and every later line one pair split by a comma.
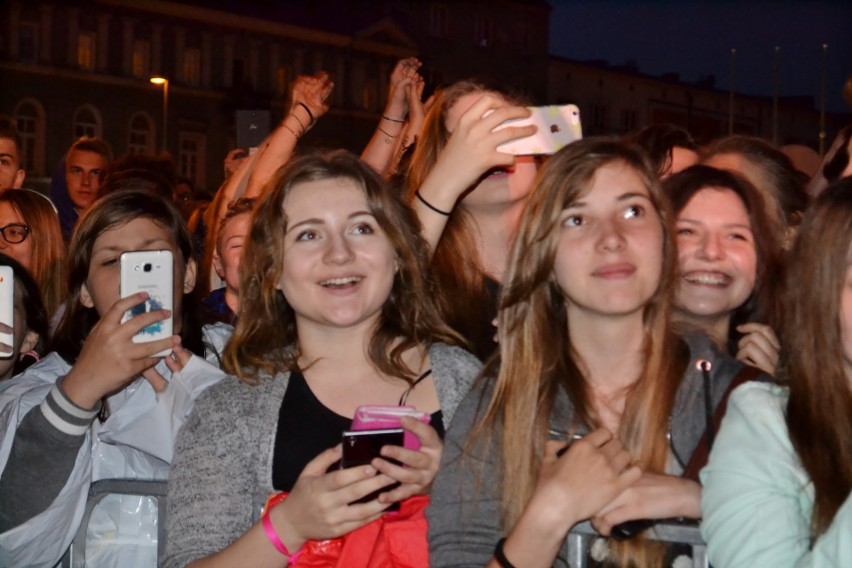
x,y
83,68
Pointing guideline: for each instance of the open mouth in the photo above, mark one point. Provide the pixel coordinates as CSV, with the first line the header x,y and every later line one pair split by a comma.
x,y
338,283
717,279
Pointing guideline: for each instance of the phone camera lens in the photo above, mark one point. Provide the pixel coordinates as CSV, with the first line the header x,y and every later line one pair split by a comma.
x,y
147,267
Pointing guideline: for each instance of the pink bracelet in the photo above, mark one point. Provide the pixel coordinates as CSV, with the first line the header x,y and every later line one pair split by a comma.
x,y
292,557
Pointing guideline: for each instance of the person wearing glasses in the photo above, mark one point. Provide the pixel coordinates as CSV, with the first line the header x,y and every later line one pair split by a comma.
x,y
30,233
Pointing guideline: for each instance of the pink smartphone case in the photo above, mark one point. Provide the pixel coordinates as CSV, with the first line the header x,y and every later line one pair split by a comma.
x,y
379,417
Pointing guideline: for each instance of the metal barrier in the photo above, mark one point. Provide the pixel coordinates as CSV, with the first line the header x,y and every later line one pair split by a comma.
x,y
581,537
75,557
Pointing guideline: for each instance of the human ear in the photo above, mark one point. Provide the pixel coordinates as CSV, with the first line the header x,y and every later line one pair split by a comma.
x,y
189,276
85,297
18,182
217,265
30,341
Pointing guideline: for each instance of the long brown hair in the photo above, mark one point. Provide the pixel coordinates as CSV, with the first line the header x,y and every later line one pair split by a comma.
x,y
536,358
819,412
265,339
455,267
48,247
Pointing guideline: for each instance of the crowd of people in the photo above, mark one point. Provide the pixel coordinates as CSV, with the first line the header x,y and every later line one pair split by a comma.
x,y
630,331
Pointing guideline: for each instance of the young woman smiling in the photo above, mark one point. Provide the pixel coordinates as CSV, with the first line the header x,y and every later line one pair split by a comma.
x,y
335,314
729,260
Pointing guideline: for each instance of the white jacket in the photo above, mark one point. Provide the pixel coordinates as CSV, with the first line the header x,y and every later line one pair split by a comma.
x,y
135,442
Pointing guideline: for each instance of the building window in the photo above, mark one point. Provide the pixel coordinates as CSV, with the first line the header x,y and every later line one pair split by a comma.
x,y
483,31
141,137
141,59
282,80
86,51
192,66
370,95
87,122
192,157
28,43
599,116
29,117
438,20
628,120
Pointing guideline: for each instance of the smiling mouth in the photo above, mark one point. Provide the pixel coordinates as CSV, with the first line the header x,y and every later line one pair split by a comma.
x,y
344,282
717,279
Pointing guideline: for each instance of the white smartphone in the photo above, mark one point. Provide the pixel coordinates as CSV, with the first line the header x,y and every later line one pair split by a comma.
x,y
7,306
558,126
149,271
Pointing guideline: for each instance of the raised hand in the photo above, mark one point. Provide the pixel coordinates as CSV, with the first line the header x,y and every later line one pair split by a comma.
x,y
110,359
472,149
312,91
404,75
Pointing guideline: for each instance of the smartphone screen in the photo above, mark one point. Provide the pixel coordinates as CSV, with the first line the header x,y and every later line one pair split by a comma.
x,y
360,447
7,306
151,272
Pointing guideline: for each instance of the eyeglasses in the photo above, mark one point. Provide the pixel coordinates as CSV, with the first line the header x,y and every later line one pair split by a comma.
x,y
14,233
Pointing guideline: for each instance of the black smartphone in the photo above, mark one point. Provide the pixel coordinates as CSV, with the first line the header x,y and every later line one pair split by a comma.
x,y
361,446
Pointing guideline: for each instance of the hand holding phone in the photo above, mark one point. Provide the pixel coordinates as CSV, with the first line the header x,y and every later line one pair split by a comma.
x,y
556,127
361,447
151,272
7,309
380,417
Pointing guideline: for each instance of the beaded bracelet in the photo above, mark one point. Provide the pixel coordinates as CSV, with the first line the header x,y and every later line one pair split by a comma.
x,y
266,522
386,117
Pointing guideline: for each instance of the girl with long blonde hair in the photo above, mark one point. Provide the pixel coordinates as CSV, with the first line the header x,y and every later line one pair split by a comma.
x,y
586,349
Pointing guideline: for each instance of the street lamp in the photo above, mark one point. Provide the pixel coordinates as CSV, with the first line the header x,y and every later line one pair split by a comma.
x,y
165,83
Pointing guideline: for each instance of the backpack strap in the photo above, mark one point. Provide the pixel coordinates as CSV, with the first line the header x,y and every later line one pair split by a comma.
x,y
702,450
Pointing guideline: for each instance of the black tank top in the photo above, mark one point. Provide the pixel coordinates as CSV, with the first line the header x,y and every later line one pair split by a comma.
x,y
306,428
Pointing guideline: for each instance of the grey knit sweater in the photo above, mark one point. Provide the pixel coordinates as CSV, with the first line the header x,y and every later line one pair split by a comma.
x,y
222,469
464,515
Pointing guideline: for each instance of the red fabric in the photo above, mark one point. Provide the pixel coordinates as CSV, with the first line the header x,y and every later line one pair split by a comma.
x,y
396,540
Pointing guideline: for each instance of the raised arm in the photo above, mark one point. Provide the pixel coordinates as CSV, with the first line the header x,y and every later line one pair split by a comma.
x,y
307,106
389,133
470,152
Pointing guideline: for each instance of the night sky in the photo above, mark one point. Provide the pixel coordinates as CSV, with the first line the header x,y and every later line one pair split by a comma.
x,y
694,38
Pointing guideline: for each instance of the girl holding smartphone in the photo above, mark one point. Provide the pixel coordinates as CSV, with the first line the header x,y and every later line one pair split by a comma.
x,y
335,314
100,405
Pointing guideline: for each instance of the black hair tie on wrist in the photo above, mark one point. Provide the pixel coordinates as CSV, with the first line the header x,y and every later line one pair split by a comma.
x,y
307,110
429,205
500,556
